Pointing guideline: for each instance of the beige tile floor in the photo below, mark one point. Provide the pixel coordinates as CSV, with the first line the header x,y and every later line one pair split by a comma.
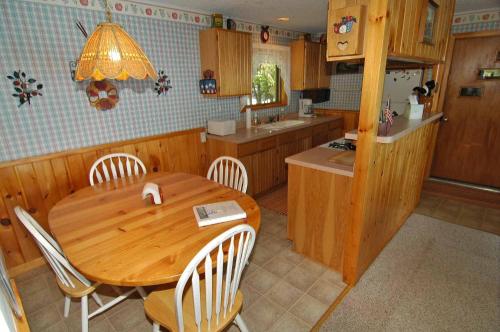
x,y
460,213
283,291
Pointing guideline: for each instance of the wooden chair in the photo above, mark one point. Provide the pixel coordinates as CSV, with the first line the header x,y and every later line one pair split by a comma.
x,y
127,165
230,172
198,308
69,280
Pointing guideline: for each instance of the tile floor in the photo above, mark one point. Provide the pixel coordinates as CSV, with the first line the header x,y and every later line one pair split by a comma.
x,y
460,213
283,291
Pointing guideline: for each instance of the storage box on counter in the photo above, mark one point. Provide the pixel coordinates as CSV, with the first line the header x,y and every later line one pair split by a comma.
x,y
221,127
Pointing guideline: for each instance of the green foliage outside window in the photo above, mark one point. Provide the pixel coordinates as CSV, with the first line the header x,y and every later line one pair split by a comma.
x,y
265,84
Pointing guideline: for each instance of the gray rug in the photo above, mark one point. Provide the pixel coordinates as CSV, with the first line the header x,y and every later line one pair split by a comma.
x,y
433,276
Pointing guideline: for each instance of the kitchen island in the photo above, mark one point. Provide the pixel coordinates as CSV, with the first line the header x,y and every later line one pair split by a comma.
x,y
320,184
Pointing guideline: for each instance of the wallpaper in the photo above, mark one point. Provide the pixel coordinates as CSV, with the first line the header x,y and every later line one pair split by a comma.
x,y
41,39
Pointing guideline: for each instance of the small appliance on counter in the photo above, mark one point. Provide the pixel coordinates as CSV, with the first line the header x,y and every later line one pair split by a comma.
x,y
221,127
305,108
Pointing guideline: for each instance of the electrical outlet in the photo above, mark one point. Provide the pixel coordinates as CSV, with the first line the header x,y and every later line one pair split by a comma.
x,y
203,136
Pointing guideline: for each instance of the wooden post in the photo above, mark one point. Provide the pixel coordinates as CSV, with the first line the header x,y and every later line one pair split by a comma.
x,y
377,41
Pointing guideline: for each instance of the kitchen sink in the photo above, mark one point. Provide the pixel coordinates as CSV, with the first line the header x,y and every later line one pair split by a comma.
x,y
281,124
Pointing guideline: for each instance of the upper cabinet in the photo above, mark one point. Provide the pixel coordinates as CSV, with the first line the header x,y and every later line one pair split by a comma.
x,y
309,68
228,54
419,29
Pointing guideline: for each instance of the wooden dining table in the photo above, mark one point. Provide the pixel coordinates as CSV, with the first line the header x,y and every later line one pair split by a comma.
x,y
112,236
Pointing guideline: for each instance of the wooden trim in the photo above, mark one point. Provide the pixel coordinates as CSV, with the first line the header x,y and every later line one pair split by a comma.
x,y
469,195
22,323
376,49
331,309
476,34
25,267
97,147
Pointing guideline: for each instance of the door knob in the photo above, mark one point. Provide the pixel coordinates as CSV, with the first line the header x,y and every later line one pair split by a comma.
x,y
444,119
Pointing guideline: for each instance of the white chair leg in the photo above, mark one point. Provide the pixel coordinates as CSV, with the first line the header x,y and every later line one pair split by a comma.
x,y
141,292
85,314
156,327
67,304
240,323
97,299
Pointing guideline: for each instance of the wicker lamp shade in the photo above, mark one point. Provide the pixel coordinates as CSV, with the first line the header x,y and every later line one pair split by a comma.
x,y
111,53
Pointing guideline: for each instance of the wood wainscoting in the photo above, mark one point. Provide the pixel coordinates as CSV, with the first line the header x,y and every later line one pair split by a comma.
x,y
38,183
393,192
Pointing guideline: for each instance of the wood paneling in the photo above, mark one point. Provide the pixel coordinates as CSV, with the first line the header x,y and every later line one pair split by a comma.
x,y
228,54
38,183
398,173
318,203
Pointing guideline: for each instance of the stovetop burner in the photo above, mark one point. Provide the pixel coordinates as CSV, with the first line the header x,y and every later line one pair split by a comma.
x,y
342,146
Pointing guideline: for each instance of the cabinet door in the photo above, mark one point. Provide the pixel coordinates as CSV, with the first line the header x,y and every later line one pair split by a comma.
x,y
324,69
247,162
304,143
284,151
235,63
311,64
264,174
320,134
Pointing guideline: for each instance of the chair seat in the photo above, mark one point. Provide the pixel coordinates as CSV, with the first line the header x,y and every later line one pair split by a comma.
x,y
80,289
160,307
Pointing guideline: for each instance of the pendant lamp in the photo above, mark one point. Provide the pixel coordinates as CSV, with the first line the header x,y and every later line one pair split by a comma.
x,y
110,52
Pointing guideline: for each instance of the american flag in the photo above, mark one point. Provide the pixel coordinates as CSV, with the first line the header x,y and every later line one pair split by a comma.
x,y
388,112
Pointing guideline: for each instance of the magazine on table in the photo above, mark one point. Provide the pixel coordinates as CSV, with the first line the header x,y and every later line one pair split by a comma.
x,y
215,213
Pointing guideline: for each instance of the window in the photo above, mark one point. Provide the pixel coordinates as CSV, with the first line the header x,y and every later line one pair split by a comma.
x,y
270,75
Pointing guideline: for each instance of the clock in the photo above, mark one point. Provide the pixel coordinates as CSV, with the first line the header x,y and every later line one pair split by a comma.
x,y
264,33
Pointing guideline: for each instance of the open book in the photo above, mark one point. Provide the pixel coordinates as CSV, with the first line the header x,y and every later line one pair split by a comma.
x,y
215,213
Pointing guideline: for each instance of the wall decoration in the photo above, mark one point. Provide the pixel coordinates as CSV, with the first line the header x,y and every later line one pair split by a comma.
x,y
230,24
162,85
102,95
217,21
208,85
24,87
264,33
345,25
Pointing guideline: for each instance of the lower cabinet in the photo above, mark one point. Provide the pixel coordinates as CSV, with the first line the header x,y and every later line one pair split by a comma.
x,y
264,159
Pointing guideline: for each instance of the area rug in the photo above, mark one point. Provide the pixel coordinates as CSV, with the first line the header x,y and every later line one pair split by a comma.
x,y
275,201
432,276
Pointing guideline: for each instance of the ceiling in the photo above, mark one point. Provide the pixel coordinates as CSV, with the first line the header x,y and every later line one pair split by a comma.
x,y
306,16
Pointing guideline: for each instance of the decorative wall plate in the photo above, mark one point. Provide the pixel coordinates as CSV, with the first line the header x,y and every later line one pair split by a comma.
x,y
102,95
264,33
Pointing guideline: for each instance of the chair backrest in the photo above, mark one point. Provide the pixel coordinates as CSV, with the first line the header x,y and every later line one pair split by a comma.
x,y
51,250
126,165
230,172
241,239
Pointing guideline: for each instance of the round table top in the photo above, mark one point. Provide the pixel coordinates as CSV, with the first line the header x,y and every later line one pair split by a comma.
x,y
112,236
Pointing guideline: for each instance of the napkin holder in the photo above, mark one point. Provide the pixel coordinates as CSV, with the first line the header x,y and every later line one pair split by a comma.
x,y
154,192
414,110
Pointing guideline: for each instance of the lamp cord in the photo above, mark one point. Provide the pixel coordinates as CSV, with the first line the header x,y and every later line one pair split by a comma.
x,y
108,10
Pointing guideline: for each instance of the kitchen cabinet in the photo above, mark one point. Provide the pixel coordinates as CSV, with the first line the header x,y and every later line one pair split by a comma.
x,y
414,35
228,54
264,158
309,69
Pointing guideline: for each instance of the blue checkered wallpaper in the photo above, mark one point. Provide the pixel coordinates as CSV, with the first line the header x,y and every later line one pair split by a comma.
x,y
42,39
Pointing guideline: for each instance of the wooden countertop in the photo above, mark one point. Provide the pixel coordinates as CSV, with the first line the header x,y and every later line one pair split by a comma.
x,y
244,135
400,128
319,158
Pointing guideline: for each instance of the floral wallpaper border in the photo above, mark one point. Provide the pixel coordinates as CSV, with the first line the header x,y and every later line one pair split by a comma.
x,y
480,16
164,13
